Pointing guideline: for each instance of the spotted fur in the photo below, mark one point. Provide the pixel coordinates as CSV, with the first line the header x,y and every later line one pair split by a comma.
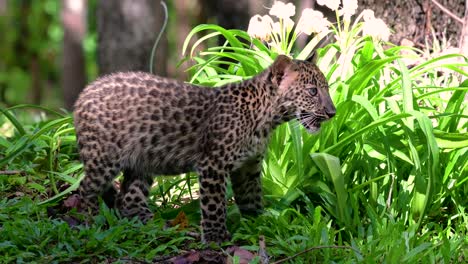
x,y
144,125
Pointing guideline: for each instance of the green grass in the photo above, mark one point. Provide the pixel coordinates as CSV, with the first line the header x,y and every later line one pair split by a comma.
x,y
29,235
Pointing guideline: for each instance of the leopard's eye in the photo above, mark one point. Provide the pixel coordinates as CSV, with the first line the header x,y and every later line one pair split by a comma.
x,y
313,91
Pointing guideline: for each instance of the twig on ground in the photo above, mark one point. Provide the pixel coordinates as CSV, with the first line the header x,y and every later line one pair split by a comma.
x,y
12,172
162,259
130,260
314,248
193,234
441,7
264,258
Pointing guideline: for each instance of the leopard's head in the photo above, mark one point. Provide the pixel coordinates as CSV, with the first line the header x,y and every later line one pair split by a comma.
x,y
302,92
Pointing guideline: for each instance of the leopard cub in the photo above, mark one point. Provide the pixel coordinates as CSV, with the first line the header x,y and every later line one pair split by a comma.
x,y
144,125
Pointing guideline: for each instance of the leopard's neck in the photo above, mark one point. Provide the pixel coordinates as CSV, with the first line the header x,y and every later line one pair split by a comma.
x,y
259,98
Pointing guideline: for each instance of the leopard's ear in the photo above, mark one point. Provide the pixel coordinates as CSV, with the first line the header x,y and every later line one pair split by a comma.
x,y
280,64
283,71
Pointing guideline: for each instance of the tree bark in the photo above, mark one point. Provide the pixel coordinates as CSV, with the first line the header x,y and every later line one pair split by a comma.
x,y
409,19
3,11
464,40
464,33
183,27
36,84
230,14
73,62
3,7
127,30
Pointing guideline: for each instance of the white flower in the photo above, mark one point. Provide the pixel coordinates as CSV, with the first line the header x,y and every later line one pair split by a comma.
x,y
260,27
286,23
282,10
368,15
332,4
376,28
312,21
349,9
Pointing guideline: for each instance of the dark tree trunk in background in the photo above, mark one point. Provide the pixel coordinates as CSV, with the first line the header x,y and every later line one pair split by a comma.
x,y
410,19
127,30
258,7
185,19
36,84
3,11
464,39
29,57
233,14
3,7
73,62
464,33
230,14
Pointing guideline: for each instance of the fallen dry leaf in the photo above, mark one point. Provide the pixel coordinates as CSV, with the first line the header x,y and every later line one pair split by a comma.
x,y
188,258
71,221
198,257
244,255
73,201
181,220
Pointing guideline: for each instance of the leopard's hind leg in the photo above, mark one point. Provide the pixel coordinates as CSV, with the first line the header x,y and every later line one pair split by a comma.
x,y
99,175
247,187
133,197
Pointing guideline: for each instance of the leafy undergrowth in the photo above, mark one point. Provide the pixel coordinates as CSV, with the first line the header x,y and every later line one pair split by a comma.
x,y
28,234
40,167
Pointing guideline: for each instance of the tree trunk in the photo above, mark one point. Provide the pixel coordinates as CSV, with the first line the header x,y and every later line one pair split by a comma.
x,y
3,7
73,75
410,19
3,11
127,30
464,33
183,27
36,84
464,39
230,14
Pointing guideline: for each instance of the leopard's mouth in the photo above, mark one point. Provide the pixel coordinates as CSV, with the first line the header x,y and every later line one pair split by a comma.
x,y
311,121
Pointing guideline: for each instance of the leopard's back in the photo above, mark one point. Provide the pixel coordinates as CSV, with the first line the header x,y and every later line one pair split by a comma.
x,y
139,120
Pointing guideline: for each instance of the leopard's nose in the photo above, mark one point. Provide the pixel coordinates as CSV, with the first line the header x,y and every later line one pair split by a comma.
x,y
328,105
330,111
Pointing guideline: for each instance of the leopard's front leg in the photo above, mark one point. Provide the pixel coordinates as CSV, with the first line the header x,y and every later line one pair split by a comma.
x,y
212,180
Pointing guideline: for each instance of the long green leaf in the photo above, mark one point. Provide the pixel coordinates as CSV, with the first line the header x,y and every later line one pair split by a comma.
x,y
24,145
330,166
343,142
14,121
